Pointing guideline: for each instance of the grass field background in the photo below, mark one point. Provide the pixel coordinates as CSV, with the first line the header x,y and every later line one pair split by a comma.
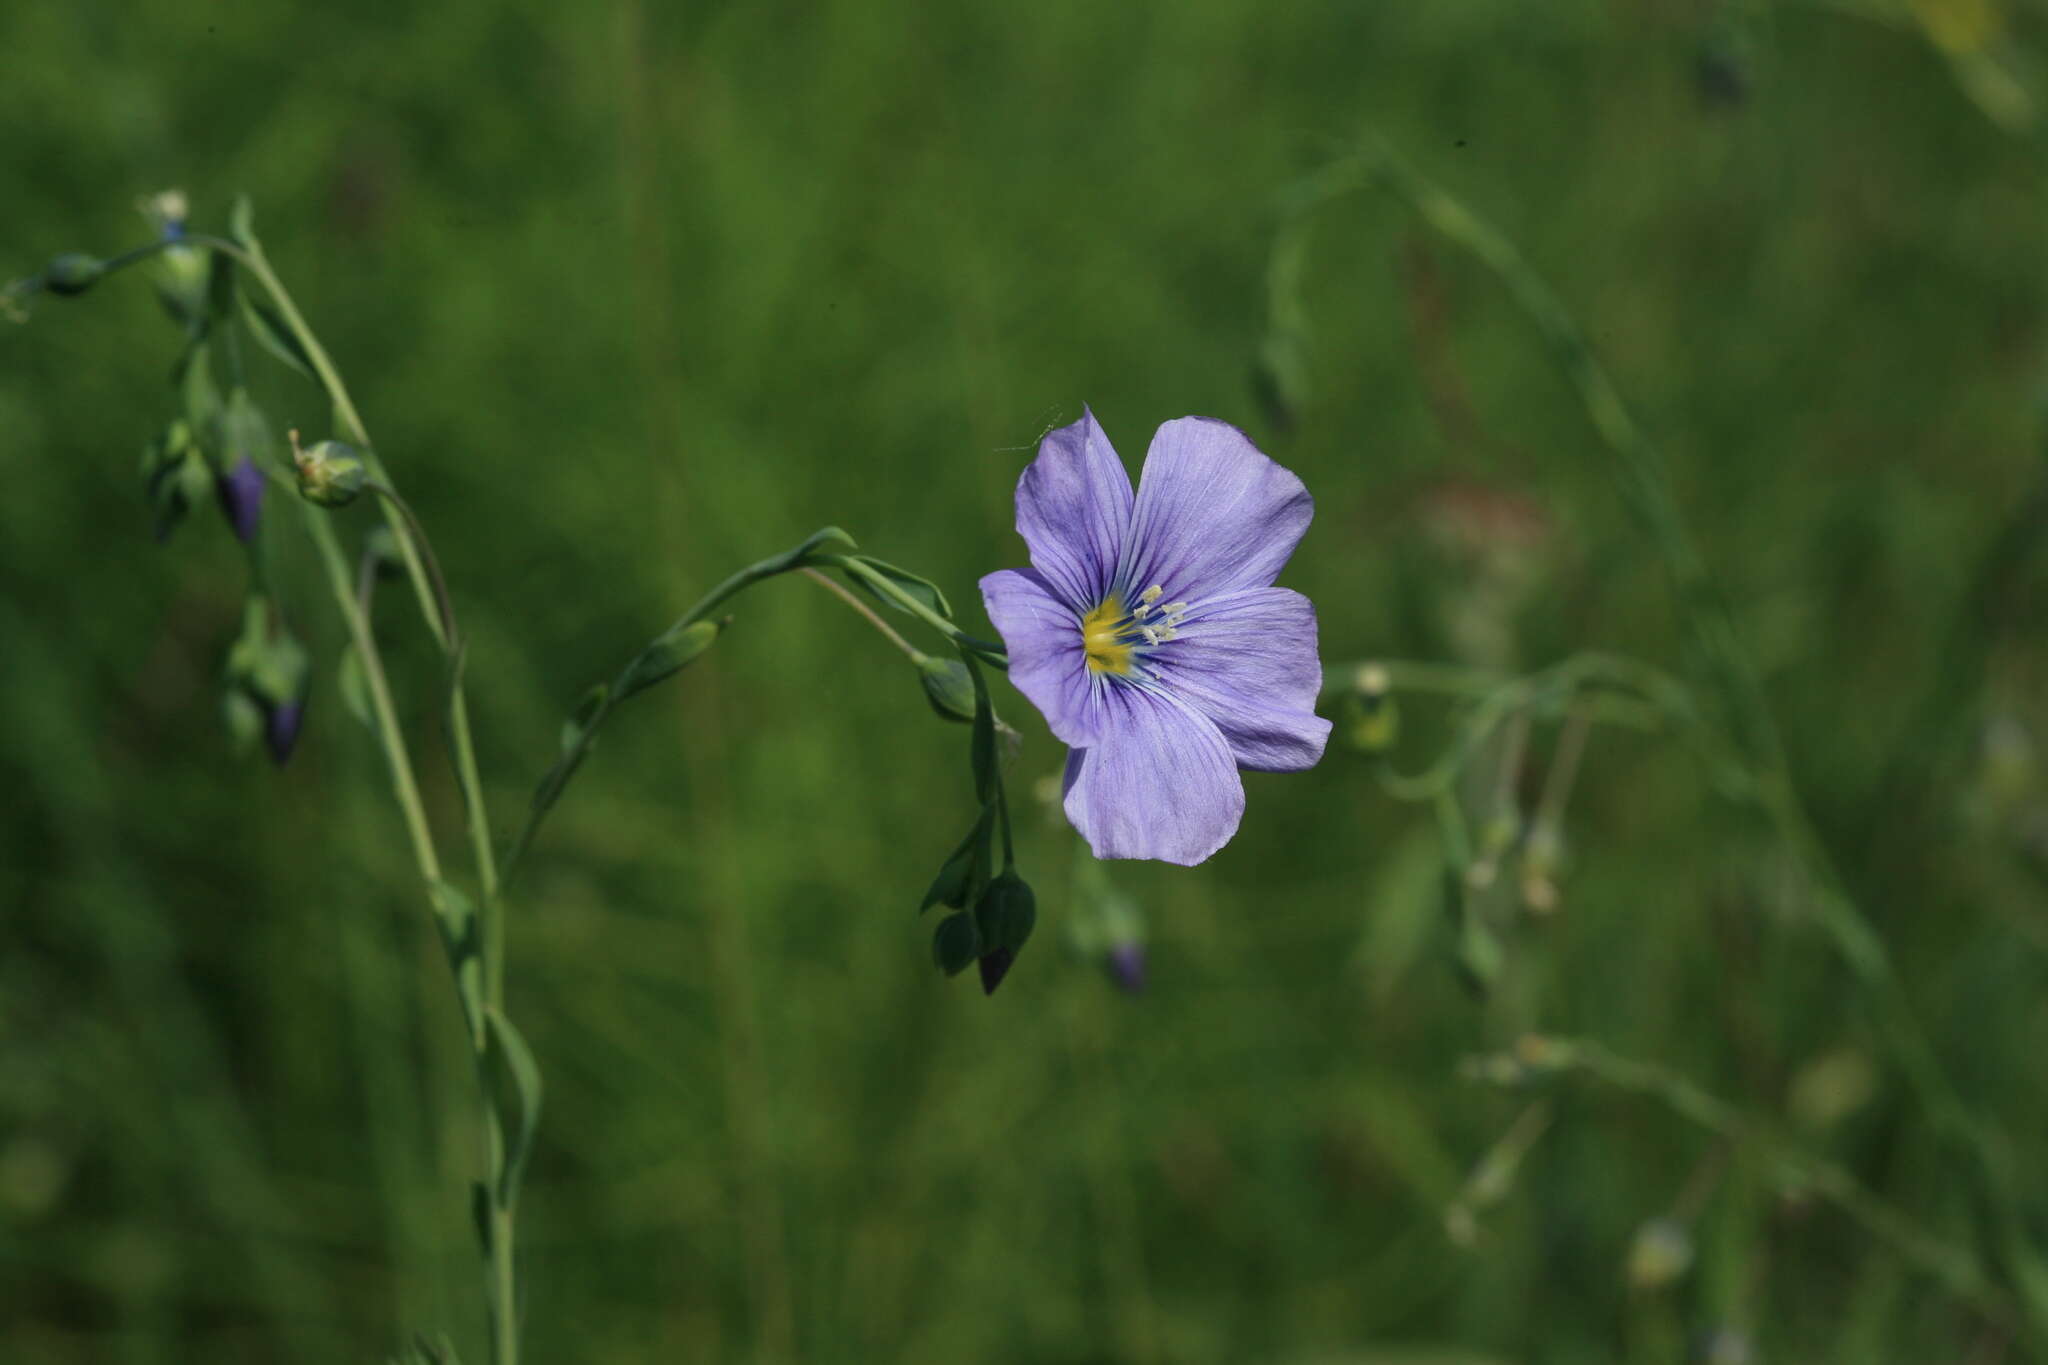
x,y
632,294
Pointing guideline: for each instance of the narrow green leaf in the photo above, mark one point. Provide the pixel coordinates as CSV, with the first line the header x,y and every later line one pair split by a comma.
x,y
958,880
203,410
461,938
669,654
509,1048
480,1214
583,717
921,590
354,686
275,336
242,221
220,288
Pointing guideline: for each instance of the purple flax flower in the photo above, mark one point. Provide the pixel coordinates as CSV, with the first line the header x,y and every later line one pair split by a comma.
x,y
1149,633
241,498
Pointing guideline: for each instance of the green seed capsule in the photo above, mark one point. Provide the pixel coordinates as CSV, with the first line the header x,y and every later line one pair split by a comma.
x,y
73,273
331,474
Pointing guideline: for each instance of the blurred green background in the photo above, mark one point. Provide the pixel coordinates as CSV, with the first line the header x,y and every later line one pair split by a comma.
x,y
634,293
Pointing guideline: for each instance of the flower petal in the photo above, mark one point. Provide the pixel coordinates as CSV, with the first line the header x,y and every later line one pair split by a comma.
x,y
1159,784
1074,510
1047,661
1249,663
1213,514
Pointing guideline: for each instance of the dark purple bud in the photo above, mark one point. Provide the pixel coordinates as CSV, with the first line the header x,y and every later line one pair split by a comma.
x,y
241,498
995,966
281,729
1126,964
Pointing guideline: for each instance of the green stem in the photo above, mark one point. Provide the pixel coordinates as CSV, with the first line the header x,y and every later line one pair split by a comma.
x,y
428,584
437,609
867,613
403,786
1722,663
417,534
565,768
987,651
1955,1267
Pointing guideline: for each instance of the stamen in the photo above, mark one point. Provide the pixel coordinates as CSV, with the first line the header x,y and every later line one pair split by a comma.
x,y
1111,633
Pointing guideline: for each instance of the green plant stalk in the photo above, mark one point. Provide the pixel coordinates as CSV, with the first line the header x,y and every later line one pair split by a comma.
x,y
404,787
1719,657
881,583
435,608
729,588
1955,1267
434,605
866,612
1603,679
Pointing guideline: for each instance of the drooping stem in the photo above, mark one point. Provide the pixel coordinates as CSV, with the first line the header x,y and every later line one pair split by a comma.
x,y
867,613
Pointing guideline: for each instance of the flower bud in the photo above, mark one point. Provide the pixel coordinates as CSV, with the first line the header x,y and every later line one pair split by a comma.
x,y
1125,963
167,211
947,686
994,967
281,728
175,476
1005,915
331,474
668,654
1660,1254
240,491
1722,74
1006,912
1830,1088
266,682
1370,720
242,716
73,273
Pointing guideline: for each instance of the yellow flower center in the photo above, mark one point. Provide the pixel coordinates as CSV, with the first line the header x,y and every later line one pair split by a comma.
x,y
1103,637
1111,636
